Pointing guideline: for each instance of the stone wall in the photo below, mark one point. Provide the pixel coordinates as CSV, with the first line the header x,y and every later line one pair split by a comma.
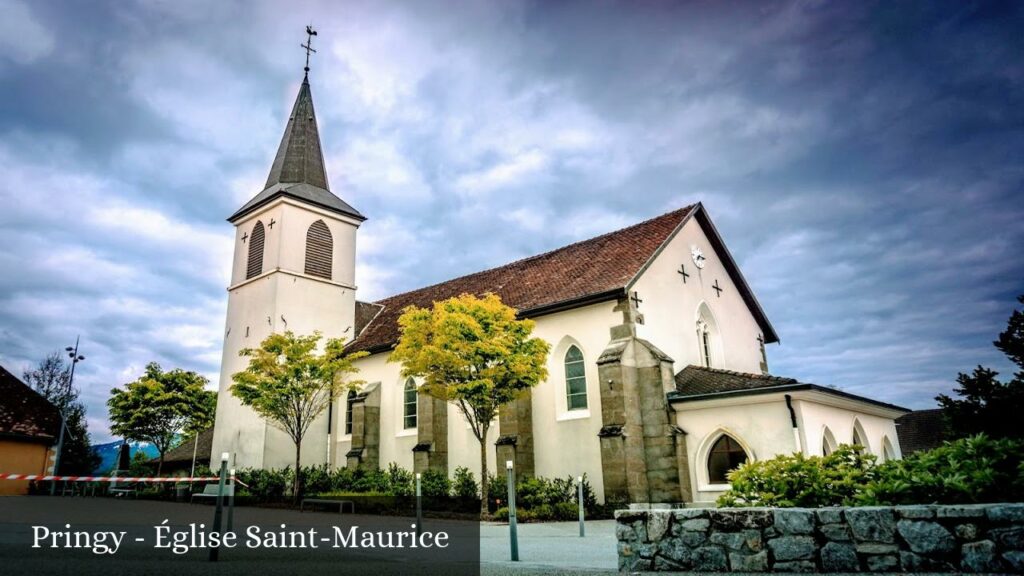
x,y
977,538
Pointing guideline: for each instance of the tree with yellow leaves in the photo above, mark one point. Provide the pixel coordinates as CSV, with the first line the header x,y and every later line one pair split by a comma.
x,y
289,384
474,353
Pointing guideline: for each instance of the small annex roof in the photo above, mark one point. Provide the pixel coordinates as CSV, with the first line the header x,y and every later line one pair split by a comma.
x,y
921,430
695,383
586,272
24,413
183,452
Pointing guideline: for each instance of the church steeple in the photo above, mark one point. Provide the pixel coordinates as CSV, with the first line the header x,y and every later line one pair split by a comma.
x,y
298,171
299,158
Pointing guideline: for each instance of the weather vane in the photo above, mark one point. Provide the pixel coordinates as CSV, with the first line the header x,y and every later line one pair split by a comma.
x,y
309,44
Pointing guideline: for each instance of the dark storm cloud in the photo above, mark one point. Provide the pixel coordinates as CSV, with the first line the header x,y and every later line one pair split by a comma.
x,y
861,160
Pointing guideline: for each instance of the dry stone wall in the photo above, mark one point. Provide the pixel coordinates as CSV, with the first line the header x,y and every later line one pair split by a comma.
x,y
978,538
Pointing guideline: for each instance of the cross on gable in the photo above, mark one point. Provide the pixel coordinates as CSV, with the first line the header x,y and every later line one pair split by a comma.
x,y
760,340
682,272
272,222
636,299
245,237
717,288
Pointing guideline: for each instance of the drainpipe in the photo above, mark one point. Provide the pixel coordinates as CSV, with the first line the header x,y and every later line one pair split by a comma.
x,y
792,421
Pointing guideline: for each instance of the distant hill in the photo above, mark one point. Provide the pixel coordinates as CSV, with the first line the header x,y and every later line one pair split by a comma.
x,y
108,453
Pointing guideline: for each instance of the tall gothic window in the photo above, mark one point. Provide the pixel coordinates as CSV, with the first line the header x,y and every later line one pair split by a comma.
x,y
349,401
409,404
704,341
828,442
726,454
575,379
319,250
254,266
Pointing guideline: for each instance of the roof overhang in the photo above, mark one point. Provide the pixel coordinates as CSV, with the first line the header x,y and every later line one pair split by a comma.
x,y
305,193
800,391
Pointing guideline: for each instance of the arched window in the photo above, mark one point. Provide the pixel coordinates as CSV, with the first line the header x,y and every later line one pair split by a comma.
x,y
859,437
726,454
707,337
704,341
575,379
319,250
254,266
409,404
828,442
349,401
888,453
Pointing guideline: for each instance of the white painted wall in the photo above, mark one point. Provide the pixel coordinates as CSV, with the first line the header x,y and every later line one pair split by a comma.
x,y
761,423
565,443
282,298
815,412
670,307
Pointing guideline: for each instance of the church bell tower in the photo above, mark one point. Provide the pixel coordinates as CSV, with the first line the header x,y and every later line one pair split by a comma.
x,y
294,269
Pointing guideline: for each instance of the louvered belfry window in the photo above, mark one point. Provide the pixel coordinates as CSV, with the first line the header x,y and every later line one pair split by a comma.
x,y
256,240
319,250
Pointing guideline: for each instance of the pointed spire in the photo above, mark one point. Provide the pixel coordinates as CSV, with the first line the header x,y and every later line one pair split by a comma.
x,y
299,157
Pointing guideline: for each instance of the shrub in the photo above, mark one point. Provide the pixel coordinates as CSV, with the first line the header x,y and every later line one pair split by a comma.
x,y
545,498
316,479
970,470
464,485
400,482
806,481
435,484
266,485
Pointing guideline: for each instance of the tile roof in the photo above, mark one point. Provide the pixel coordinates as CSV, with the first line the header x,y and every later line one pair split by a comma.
x,y
921,430
584,272
183,452
697,380
298,170
365,313
24,413
700,383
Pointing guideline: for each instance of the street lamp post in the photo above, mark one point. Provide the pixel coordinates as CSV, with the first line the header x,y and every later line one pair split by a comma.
x,y
75,359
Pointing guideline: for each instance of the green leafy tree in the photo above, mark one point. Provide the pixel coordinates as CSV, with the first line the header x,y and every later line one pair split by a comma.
x,y
986,405
474,353
159,406
289,384
51,378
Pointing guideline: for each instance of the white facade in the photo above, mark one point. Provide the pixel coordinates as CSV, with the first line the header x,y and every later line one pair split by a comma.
x,y
281,297
692,301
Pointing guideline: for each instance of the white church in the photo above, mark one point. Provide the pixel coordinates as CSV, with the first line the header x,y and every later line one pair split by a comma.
x,y
658,385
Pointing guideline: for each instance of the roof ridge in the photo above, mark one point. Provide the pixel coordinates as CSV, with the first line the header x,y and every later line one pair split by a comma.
x,y
684,209
744,374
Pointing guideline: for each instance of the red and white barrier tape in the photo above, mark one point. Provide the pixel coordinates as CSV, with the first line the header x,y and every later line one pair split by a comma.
x,y
110,478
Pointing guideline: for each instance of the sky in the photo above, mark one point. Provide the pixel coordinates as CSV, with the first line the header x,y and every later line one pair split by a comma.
x,y
862,160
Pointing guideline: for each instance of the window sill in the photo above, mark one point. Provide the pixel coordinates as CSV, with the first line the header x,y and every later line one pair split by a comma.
x,y
406,432
345,438
714,487
573,415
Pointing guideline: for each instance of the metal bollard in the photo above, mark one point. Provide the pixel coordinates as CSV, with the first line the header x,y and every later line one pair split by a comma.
x,y
579,497
513,536
215,551
231,503
419,506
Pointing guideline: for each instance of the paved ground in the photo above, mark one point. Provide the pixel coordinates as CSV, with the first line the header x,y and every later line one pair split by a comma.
x,y
550,546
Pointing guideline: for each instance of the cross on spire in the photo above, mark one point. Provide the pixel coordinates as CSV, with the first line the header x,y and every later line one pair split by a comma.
x,y
309,45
